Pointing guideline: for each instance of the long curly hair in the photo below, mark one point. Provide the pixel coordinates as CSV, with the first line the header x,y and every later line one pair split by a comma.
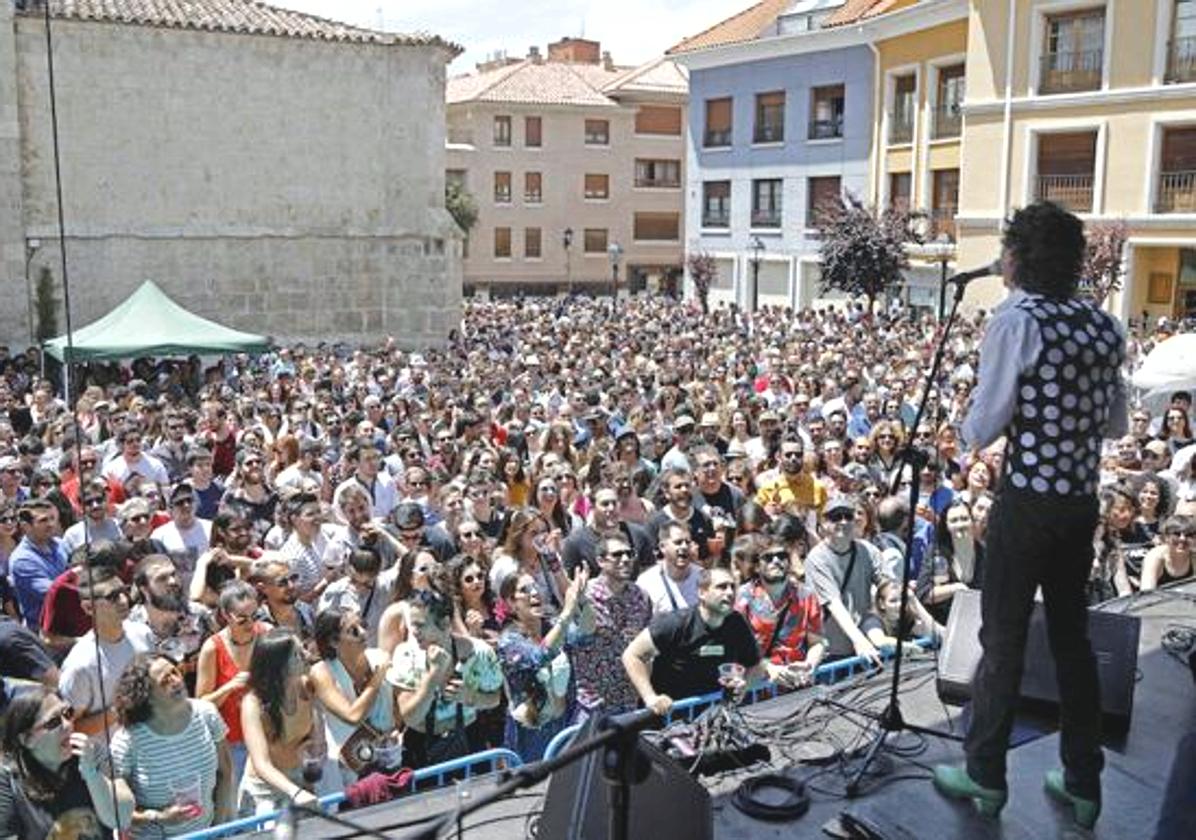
x,y
132,698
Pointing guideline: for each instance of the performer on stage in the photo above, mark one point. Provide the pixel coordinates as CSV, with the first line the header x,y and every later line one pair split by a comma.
x,y
1049,380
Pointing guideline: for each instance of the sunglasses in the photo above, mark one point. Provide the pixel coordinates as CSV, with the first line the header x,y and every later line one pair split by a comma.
x,y
93,501
115,595
287,580
841,516
470,579
242,618
780,556
251,462
528,589
141,517
8,520
185,502
87,462
621,554
469,535
420,483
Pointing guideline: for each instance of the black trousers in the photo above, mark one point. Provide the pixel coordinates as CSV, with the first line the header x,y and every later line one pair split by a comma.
x,y
1037,541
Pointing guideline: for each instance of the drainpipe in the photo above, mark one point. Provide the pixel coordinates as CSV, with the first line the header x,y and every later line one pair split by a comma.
x,y
1007,129
877,123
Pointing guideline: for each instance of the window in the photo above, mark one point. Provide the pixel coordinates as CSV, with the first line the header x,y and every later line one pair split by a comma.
x,y
1073,54
455,178
1177,172
1181,51
597,186
823,199
597,132
944,203
900,191
658,119
770,117
657,173
594,240
1066,167
718,123
531,132
905,104
656,227
532,193
502,243
531,243
766,203
502,131
502,187
716,204
948,108
826,112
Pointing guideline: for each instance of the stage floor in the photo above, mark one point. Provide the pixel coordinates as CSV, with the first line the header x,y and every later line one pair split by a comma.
x,y
903,799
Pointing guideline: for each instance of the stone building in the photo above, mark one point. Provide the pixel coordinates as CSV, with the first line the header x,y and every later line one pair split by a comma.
x,y
568,155
277,171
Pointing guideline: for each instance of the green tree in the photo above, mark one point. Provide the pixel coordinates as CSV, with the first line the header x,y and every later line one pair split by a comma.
x,y
1103,268
862,250
46,305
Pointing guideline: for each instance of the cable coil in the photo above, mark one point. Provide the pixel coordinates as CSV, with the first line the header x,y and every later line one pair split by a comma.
x,y
795,804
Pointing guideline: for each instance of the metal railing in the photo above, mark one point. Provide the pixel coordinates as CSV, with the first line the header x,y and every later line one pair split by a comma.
x,y
1065,72
766,218
901,126
941,220
769,133
826,129
495,760
1181,60
1073,192
717,137
948,120
722,219
1177,192
691,707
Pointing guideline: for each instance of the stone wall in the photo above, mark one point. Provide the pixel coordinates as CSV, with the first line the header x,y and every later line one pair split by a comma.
x,y
14,300
286,186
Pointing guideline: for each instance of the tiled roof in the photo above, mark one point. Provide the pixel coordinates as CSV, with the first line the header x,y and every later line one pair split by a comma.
x,y
854,11
543,83
744,26
661,75
246,17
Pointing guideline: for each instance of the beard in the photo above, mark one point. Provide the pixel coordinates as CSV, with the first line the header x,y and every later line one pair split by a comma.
x,y
168,601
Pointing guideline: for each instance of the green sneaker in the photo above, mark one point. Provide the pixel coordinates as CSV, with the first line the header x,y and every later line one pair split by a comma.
x,y
957,784
1085,810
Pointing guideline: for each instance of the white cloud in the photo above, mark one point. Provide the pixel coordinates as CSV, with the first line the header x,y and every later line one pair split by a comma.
x,y
633,30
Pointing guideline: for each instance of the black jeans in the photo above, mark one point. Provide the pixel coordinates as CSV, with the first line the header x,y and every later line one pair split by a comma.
x,y
1037,541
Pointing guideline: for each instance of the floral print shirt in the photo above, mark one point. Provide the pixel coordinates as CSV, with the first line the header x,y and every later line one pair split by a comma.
x,y
601,680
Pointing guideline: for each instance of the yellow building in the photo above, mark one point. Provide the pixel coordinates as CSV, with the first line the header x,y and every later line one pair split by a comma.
x,y
1092,104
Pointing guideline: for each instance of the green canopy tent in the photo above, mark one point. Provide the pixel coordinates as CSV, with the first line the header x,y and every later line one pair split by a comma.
x,y
149,323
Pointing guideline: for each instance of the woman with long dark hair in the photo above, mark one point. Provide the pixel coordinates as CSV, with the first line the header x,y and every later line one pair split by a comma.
x,y
1177,429
283,727
957,563
527,549
416,570
49,778
475,608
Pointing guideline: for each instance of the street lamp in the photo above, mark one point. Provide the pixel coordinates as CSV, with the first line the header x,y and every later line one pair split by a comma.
x,y
942,249
615,252
757,250
32,246
567,241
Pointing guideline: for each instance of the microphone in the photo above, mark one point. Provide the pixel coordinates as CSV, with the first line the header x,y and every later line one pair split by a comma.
x,y
965,277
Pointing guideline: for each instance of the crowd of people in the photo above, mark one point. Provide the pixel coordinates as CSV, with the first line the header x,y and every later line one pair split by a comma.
x,y
232,586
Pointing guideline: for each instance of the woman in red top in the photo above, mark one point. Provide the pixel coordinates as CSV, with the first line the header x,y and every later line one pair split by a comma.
x,y
223,671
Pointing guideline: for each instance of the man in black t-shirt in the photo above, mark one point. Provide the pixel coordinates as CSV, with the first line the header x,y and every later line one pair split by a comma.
x,y
24,657
679,653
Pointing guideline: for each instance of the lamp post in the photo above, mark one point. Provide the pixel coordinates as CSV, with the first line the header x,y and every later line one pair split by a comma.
x,y
615,252
567,241
942,249
757,250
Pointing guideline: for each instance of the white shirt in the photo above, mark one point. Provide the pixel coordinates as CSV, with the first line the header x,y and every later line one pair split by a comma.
x,y
658,586
384,496
146,465
80,683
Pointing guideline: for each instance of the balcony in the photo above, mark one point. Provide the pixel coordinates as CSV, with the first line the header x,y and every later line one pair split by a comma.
x,y
769,133
1068,72
948,120
766,218
901,127
716,219
941,220
1177,193
1181,60
460,136
1073,192
826,129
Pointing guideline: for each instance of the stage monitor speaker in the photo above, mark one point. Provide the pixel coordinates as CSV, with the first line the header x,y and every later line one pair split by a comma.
x,y
1114,642
669,803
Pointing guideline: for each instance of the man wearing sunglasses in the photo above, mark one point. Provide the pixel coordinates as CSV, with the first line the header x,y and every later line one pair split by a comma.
x,y
96,523
105,598
842,570
278,587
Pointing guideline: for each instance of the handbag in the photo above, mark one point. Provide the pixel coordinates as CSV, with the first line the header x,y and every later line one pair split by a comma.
x,y
360,749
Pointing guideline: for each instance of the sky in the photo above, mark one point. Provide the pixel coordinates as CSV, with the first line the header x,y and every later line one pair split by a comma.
x,y
633,30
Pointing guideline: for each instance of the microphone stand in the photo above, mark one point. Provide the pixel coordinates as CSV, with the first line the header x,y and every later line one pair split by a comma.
x,y
622,766
891,720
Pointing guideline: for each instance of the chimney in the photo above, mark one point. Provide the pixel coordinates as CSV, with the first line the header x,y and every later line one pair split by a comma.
x,y
533,55
607,62
575,51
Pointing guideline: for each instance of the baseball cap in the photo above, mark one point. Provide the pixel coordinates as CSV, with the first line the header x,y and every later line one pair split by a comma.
x,y
839,503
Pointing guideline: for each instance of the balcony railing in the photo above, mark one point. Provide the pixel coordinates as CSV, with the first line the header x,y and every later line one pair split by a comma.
x,y
1074,192
716,219
941,220
826,129
769,133
1181,60
948,120
1066,72
717,137
901,127
766,218
1177,192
